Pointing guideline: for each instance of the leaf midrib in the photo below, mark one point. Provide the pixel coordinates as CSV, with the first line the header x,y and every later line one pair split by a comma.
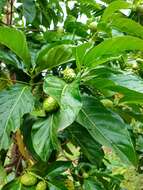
x,y
14,108
111,142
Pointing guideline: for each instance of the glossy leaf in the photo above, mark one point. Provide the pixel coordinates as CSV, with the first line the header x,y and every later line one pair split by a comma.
x,y
111,48
126,83
89,146
91,184
44,137
57,168
80,52
14,103
107,128
15,40
16,185
128,26
29,10
113,7
68,97
54,56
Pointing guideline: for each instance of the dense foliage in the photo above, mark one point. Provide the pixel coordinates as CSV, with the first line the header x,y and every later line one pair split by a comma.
x,y
71,95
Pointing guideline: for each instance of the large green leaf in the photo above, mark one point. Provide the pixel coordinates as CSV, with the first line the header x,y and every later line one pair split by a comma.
x,y
54,56
111,48
44,137
89,146
126,83
56,185
68,97
10,58
29,10
113,7
57,168
80,52
92,184
14,103
16,185
15,40
107,128
128,26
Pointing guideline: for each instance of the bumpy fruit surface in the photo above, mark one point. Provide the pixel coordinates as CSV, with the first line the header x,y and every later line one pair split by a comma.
x,y
41,186
69,184
107,103
28,179
93,26
140,9
50,104
60,30
69,75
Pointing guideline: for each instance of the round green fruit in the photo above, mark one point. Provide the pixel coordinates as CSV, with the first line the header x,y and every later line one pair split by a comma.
x,y
69,75
50,104
28,179
139,9
85,175
41,185
60,30
93,26
107,103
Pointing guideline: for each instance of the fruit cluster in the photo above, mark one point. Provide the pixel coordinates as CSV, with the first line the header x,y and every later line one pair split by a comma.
x,y
31,180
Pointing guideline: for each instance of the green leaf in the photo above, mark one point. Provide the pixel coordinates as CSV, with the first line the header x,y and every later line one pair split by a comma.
x,y
89,146
128,26
44,137
29,10
26,128
16,185
14,103
53,56
107,128
3,176
56,185
126,83
80,52
2,4
57,168
90,185
111,48
15,40
113,7
10,58
68,97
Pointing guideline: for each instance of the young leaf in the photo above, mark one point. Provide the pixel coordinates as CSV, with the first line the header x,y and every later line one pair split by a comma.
x,y
113,7
15,40
107,128
14,103
68,97
110,48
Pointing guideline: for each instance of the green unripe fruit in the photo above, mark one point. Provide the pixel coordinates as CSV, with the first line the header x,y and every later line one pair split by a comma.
x,y
93,26
85,175
69,184
41,186
139,9
107,103
69,75
50,104
28,179
60,30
